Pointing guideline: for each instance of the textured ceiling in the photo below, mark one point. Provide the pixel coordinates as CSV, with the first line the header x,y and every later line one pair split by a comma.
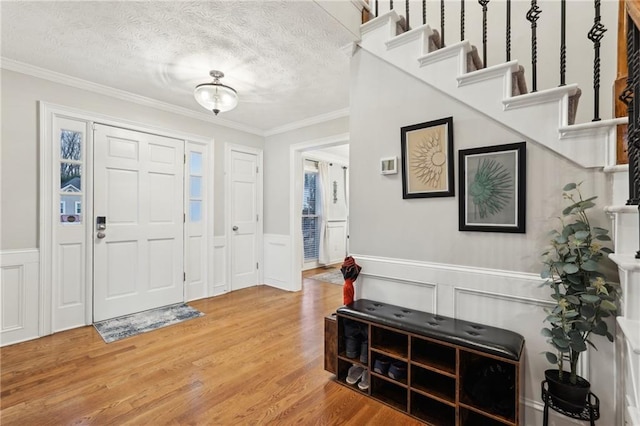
x,y
283,57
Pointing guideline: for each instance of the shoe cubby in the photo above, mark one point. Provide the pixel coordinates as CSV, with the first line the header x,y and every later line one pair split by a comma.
x,y
433,384
431,411
432,355
488,385
444,383
343,369
341,344
393,394
389,342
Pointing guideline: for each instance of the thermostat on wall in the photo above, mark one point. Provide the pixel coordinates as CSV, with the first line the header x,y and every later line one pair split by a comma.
x,y
389,166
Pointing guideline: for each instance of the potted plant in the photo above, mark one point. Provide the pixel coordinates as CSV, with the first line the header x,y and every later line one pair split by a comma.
x,y
583,297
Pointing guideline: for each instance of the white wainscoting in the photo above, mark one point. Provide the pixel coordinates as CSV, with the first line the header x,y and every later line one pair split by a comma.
x,y
19,295
277,261
219,266
505,299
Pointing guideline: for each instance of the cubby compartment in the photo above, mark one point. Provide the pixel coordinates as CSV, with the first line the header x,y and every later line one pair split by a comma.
x,y
390,393
472,418
433,355
343,369
391,342
489,385
342,346
433,384
431,411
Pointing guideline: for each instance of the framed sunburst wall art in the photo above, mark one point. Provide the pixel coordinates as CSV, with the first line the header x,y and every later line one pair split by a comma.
x,y
427,159
493,188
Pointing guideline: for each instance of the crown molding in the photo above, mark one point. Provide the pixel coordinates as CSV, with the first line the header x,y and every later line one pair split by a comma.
x,y
56,77
308,122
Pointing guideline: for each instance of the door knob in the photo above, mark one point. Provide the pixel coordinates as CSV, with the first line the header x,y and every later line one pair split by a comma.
x,y
101,235
235,228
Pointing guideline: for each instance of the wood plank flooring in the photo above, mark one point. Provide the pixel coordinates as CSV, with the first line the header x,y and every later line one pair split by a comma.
x,y
255,358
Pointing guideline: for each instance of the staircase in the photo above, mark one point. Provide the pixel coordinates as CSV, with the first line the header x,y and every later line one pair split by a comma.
x,y
498,92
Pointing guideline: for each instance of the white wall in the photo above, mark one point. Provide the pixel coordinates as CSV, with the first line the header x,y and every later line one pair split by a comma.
x,y
19,175
412,252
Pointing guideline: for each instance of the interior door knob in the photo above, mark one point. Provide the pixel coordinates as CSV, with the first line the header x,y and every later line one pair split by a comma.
x,y
235,228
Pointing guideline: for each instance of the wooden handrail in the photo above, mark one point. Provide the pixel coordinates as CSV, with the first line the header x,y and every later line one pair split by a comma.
x,y
633,9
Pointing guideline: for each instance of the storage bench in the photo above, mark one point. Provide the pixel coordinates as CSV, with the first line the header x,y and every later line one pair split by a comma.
x,y
457,372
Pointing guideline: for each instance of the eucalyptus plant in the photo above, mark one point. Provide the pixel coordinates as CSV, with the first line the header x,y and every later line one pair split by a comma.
x,y
583,296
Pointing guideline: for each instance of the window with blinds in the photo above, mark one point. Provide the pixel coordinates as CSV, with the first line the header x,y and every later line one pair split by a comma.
x,y
310,217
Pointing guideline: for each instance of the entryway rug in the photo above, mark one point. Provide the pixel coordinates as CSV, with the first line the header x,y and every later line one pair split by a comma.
x,y
130,325
333,277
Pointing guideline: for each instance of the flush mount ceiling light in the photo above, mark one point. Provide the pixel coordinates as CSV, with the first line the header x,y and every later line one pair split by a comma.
x,y
215,96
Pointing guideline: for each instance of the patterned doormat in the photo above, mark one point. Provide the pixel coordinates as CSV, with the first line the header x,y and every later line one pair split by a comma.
x,y
333,277
130,325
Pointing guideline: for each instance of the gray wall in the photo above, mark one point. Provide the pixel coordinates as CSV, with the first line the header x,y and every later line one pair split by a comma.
x,y
383,224
20,156
276,166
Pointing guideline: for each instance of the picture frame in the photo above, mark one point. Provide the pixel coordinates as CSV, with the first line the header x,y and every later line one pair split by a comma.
x,y
492,188
427,159
389,166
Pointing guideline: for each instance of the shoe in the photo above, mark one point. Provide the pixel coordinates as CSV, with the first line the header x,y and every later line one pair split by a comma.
x,y
354,374
381,366
364,383
352,347
364,352
397,371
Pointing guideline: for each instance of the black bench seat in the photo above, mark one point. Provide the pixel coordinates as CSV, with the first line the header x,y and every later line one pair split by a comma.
x,y
483,338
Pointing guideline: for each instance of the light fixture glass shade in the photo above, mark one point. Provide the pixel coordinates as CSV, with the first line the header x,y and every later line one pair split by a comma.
x,y
215,96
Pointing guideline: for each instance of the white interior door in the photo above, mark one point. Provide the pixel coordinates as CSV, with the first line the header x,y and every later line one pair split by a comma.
x,y
244,219
138,189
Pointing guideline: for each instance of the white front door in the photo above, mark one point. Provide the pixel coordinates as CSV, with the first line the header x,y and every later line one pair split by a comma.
x,y
138,190
244,219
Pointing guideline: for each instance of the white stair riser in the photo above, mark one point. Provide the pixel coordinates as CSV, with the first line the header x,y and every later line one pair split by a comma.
x,y
538,122
625,231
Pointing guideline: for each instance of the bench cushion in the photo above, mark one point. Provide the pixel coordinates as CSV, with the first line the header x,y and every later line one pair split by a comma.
x,y
483,338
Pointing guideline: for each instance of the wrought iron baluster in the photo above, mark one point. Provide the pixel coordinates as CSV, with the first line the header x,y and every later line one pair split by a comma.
x,y
484,4
376,8
442,23
532,16
461,20
406,11
595,35
390,4
508,45
424,12
632,101
563,41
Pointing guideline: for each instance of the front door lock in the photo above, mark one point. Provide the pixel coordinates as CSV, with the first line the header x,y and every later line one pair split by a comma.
x,y
101,223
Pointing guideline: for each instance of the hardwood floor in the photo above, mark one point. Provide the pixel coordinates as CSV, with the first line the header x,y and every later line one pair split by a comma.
x,y
256,357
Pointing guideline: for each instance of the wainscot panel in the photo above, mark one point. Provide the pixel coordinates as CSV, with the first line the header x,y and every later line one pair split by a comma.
x,y
19,290
277,261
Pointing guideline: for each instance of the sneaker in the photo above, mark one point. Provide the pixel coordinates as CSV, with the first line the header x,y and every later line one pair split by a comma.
x,y
364,383
397,371
381,366
354,374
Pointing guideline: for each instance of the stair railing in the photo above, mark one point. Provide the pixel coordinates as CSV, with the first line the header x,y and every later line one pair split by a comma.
x,y
595,34
632,101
